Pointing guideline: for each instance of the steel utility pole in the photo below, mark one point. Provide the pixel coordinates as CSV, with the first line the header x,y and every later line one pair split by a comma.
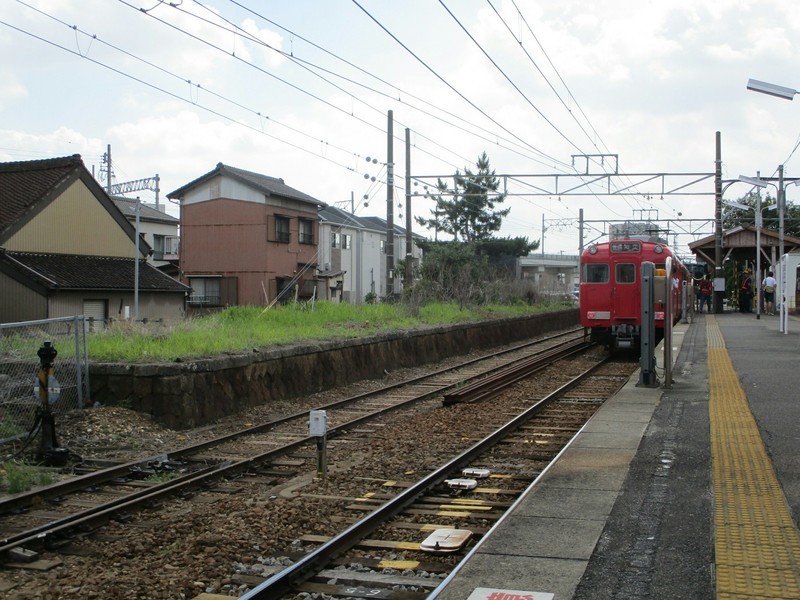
x,y
719,274
409,241
390,207
108,169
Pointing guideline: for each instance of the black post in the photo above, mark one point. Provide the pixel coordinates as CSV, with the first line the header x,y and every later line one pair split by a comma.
x,y
47,443
647,358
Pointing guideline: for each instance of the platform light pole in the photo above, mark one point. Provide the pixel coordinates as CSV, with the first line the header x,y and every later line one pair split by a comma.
x,y
786,93
759,222
754,85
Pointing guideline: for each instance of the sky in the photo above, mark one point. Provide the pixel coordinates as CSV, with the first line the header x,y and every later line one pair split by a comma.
x,y
303,90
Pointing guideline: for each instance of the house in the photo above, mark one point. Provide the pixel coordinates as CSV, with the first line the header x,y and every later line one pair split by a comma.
x,y
377,244
353,255
157,228
66,249
246,239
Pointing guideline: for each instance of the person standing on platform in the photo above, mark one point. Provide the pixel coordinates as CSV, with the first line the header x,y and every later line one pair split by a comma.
x,y
706,291
769,285
746,293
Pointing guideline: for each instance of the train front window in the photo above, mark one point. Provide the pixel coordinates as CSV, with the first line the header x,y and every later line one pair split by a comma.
x,y
626,273
595,273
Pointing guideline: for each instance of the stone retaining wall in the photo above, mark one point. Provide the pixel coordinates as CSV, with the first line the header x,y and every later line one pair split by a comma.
x,y
188,394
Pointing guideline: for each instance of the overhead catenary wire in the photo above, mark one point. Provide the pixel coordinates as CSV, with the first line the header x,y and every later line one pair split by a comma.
x,y
218,113
471,130
453,89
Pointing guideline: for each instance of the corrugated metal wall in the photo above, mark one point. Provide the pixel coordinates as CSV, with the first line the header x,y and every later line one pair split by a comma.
x,y
76,223
19,303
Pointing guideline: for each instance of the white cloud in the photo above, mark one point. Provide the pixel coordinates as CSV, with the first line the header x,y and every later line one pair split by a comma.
x,y
654,81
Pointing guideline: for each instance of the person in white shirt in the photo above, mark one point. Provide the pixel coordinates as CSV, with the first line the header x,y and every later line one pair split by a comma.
x,y
768,285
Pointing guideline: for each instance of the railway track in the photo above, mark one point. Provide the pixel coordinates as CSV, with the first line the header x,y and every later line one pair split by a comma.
x,y
51,517
452,506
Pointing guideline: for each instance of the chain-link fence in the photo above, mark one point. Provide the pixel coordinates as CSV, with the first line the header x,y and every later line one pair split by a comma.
x,y
68,386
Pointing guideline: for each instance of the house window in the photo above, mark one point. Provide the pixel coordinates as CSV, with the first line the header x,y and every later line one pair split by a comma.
x,y
306,231
205,291
282,229
341,240
158,247
383,246
172,244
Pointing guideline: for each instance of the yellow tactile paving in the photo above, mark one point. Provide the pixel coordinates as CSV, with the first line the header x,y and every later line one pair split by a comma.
x,y
756,545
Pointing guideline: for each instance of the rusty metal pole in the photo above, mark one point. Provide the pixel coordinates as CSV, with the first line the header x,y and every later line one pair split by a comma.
x,y
47,443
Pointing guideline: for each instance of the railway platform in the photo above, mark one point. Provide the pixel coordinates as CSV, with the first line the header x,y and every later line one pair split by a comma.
x,y
689,492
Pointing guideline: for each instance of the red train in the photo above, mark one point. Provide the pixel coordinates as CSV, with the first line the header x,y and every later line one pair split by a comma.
x,y
611,292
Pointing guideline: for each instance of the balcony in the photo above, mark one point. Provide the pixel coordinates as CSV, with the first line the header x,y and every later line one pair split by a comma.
x,y
198,300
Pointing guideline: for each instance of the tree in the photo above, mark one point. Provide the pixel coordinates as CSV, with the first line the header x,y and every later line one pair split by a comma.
x,y
733,217
468,211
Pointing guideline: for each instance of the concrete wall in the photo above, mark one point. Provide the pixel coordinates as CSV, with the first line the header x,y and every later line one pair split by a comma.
x,y
194,393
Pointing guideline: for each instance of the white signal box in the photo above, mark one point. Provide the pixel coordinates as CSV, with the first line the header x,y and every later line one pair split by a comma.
x,y
317,423
461,484
476,473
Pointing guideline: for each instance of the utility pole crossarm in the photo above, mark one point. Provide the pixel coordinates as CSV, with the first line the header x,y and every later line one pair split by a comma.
x,y
568,184
150,183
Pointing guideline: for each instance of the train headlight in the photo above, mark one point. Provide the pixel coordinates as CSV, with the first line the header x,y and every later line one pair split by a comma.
x,y
592,249
658,249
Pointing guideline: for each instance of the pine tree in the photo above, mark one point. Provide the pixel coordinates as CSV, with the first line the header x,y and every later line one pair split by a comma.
x,y
468,212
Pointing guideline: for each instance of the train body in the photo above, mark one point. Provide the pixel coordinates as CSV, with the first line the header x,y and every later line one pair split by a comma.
x,y
611,289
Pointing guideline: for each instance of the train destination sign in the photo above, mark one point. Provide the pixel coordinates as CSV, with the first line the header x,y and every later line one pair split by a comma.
x,y
626,247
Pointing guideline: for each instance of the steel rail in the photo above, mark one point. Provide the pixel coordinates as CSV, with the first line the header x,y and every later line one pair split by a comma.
x,y
488,387
283,582
21,501
44,534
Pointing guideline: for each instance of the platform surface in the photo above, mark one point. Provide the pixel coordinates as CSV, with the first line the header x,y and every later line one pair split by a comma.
x,y
686,492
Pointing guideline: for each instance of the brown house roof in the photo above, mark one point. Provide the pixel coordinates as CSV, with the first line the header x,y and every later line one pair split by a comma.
x,y
27,187
71,272
23,184
270,186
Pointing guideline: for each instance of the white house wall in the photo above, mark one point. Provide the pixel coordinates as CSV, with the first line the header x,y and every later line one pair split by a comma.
x,y
232,189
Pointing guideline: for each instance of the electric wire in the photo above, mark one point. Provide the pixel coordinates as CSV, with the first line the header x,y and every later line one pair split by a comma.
x,y
450,86
314,96
561,79
309,66
175,96
471,124
533,62
509,80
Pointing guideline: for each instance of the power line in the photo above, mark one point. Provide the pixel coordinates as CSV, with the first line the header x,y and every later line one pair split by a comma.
x,y
507,78
389,84
452,88
171,94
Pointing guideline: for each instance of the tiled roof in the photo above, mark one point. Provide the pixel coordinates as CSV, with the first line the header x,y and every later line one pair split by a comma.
x,y
337,216
147,212
75,272
23,184
381,224
269,185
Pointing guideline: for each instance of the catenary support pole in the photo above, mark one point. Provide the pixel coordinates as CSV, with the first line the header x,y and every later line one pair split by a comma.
x,y
719,275
647,358
390,207
409,246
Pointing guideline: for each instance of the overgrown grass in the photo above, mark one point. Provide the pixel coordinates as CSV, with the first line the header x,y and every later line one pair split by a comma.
x,y
20,477
242,328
